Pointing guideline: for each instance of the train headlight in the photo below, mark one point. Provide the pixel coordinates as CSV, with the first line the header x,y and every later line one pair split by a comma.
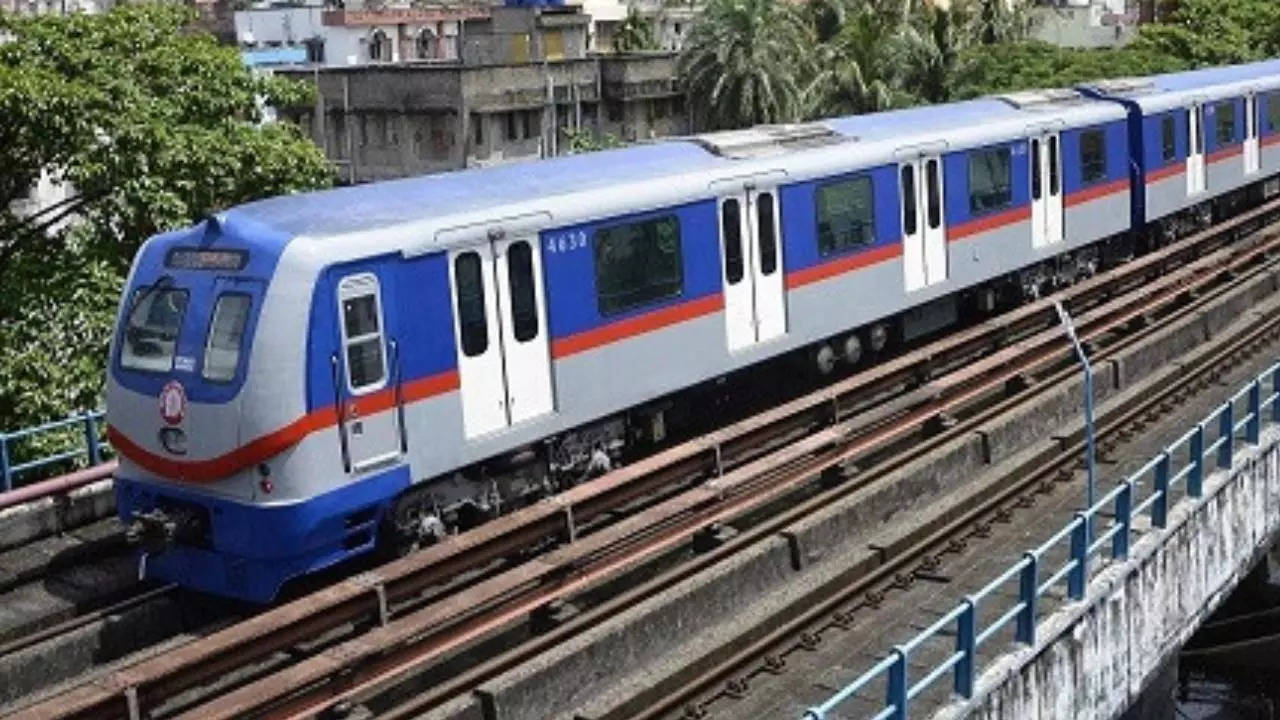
x,y
174,440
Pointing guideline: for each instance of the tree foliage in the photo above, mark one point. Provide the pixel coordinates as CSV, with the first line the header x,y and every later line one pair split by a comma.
x,y
635,33
152,126
748,62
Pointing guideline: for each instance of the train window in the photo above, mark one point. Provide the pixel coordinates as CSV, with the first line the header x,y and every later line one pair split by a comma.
x,y
226,331
362,332
473,323
1093,156
1054,166
934,196
1225,124
151,330
1273,112
524,302
731,232
768,237
990,180
1168,145
637,264
910,221
846,219
1036,189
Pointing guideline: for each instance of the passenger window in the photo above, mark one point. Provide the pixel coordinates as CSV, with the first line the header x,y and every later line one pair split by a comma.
x,y
637,264
768,236
845,216
1093,156
473,323
932,191
909,214
1273,112
1168,146
524,301
731,231
362,332
1054,167
1226,122
990,180
1036,190
151,330
226,331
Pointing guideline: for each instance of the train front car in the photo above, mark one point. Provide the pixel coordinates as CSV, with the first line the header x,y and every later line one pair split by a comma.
x,y
206,405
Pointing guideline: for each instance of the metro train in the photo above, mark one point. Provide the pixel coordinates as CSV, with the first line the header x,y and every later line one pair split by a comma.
x,y
305,379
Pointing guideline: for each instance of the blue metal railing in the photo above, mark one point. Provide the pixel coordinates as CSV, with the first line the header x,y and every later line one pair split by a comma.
x,y
1122,501
89,446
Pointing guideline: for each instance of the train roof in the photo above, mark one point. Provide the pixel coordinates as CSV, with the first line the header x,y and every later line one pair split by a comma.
x,y
1168,91
377,205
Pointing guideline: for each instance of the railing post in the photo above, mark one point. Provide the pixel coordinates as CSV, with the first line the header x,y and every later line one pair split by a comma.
x,y
1195,478
1160,506
1124,518
6,475
1253,429
91,439
1080,554
896,695
1027,586
966,645
1275,388
1227,431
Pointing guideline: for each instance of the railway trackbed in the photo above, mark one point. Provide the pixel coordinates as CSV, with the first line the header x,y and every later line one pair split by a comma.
x,y
357,641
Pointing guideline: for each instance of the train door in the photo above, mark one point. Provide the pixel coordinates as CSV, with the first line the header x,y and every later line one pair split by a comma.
x,y
751,251
1196,180
1046,190
500,329
374,438
924,230
1252,153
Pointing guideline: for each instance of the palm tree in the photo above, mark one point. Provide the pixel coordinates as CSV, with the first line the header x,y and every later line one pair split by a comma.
x,y
864,65
635,33
747,62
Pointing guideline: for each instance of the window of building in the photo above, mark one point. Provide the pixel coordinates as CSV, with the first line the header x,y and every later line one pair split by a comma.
x,y
1093,156
614,110
379,46
513,127
427,45
364,130
1273,112
731,235
315,50
1226,122
477,129
990,180
846,219
660,108
151,331
637,264
532,125
226,332
524,301
362,332
338,121
1168,143
473,322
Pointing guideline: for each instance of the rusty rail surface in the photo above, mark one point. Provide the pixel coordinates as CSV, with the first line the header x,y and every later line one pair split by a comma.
x,y
766,473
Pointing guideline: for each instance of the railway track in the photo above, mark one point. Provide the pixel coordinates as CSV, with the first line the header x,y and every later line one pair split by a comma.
x,y
412,623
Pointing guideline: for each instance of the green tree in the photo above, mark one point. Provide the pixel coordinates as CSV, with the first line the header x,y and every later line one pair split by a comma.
x,y
1029,65
153,126
747,62
584,140
635,33
1214,32
862,67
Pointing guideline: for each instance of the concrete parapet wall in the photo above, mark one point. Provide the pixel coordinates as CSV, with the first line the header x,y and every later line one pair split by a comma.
x,y
22,524
1093,658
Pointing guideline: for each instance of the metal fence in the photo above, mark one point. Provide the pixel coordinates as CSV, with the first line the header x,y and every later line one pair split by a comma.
x,y
1157,478
87,445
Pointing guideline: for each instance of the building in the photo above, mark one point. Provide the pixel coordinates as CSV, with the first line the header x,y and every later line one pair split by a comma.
x,y
523,86
1087,23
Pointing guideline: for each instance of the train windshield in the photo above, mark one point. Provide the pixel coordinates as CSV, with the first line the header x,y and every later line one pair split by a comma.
x,y
151,328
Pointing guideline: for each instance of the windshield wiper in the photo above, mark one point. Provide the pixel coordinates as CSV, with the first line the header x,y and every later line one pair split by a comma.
x,y
165,280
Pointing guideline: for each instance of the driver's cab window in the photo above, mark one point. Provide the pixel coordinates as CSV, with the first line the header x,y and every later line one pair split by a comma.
x,y
362,332
151,329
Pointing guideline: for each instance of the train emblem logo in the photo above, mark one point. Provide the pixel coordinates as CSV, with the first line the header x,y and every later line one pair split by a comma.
x,y
173,403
